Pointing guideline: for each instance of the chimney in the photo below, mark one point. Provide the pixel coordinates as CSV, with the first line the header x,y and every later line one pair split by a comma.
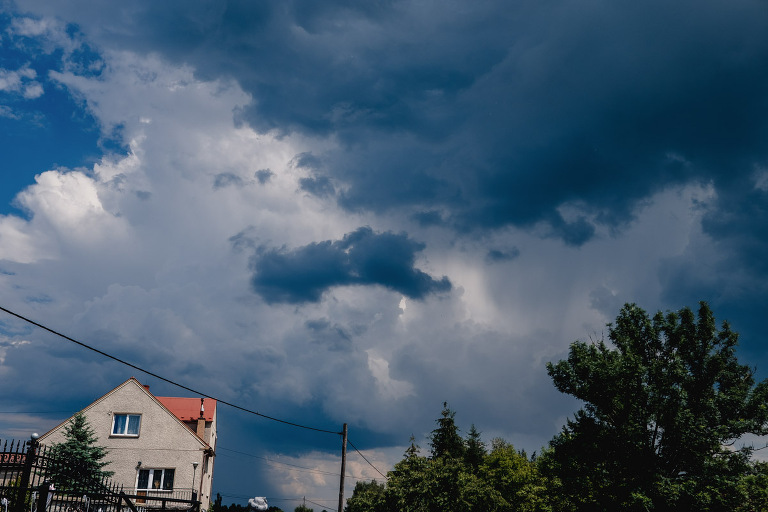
x,y
146,386
201,421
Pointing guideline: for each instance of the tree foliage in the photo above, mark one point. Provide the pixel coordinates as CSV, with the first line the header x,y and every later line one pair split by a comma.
x,y
365,497
456,477
665,399
474,452
78,462
445,440
661,408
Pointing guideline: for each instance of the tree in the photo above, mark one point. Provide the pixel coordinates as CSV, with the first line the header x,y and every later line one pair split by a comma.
x,y
445,440
366,496
420,484
514,477
660,408
474,449
78,462
443,482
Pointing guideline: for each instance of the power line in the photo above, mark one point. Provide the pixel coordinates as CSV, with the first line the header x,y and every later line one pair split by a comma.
x,y
272,461
35,412
272,498
126,363
365,459
318,504
311,470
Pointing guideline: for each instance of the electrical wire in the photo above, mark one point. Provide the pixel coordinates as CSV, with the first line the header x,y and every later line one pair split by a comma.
x,y
318,504
147,372
272,461
311,470
34,412
365,459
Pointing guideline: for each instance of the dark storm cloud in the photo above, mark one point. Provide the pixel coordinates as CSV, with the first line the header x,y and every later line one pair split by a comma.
x,y
498,255
734,280
226,179
498,113
264,176
428,218
360,258
332,336
319,186
739,219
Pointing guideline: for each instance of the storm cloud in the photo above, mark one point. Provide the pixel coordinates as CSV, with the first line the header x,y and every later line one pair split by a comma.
x,y
359,258
502,113
190,177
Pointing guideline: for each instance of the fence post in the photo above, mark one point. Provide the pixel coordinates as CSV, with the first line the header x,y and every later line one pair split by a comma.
x,y
29,460
42,496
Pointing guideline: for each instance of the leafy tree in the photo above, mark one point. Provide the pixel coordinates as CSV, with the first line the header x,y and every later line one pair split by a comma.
x,y
515,477
474,449
420,484
445,440
443,482
78,462
303,508
366,496
661,406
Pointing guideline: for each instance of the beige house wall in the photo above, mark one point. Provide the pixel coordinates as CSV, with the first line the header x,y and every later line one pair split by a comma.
x,y
164,442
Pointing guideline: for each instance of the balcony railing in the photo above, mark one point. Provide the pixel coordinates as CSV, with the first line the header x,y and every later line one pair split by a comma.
x,y
180,493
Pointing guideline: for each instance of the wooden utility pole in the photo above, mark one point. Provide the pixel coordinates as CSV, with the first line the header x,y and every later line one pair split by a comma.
x,y
343,467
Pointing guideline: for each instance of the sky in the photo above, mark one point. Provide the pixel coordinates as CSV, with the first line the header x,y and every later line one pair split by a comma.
x,y
351,212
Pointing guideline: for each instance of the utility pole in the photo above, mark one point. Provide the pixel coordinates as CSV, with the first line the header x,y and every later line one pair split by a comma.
x,y
343,467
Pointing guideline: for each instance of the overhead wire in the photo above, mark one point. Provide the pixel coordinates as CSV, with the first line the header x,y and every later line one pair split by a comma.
x,y
182,386
169,381
272,461
366,459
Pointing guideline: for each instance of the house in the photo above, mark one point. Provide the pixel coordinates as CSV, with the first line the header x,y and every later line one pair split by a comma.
x,y
158,446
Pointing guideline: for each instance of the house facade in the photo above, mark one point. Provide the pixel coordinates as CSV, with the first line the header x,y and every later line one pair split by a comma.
x,y
157,446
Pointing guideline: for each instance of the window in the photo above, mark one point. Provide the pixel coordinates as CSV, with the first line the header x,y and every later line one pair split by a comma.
x,y
155,480
126,424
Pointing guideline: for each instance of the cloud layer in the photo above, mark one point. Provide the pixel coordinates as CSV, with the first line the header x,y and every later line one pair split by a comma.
x,y
359,258
340,212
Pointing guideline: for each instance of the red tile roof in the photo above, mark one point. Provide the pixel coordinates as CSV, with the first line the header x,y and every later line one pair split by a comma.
x,y
188,409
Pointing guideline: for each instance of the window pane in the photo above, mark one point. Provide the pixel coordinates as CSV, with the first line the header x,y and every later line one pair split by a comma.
x,y
143,479
168,480
133,424
119,427
157,477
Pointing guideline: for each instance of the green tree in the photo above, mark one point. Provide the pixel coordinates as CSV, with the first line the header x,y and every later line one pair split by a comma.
x,y
303,508
420,484
78,462
660,407
515,477
366,497
438,483
474,449
445,440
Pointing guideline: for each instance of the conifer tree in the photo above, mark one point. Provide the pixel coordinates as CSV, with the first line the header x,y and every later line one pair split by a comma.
x,y
445,440
475,449
78,462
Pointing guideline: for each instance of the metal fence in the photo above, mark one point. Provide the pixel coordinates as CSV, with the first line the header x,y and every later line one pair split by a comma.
x,y
26,485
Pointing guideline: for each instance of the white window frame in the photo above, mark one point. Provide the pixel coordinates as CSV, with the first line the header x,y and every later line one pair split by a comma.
x,y
125,433
151,479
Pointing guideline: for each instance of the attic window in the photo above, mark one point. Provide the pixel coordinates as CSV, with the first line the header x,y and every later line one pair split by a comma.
x,y
126,425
